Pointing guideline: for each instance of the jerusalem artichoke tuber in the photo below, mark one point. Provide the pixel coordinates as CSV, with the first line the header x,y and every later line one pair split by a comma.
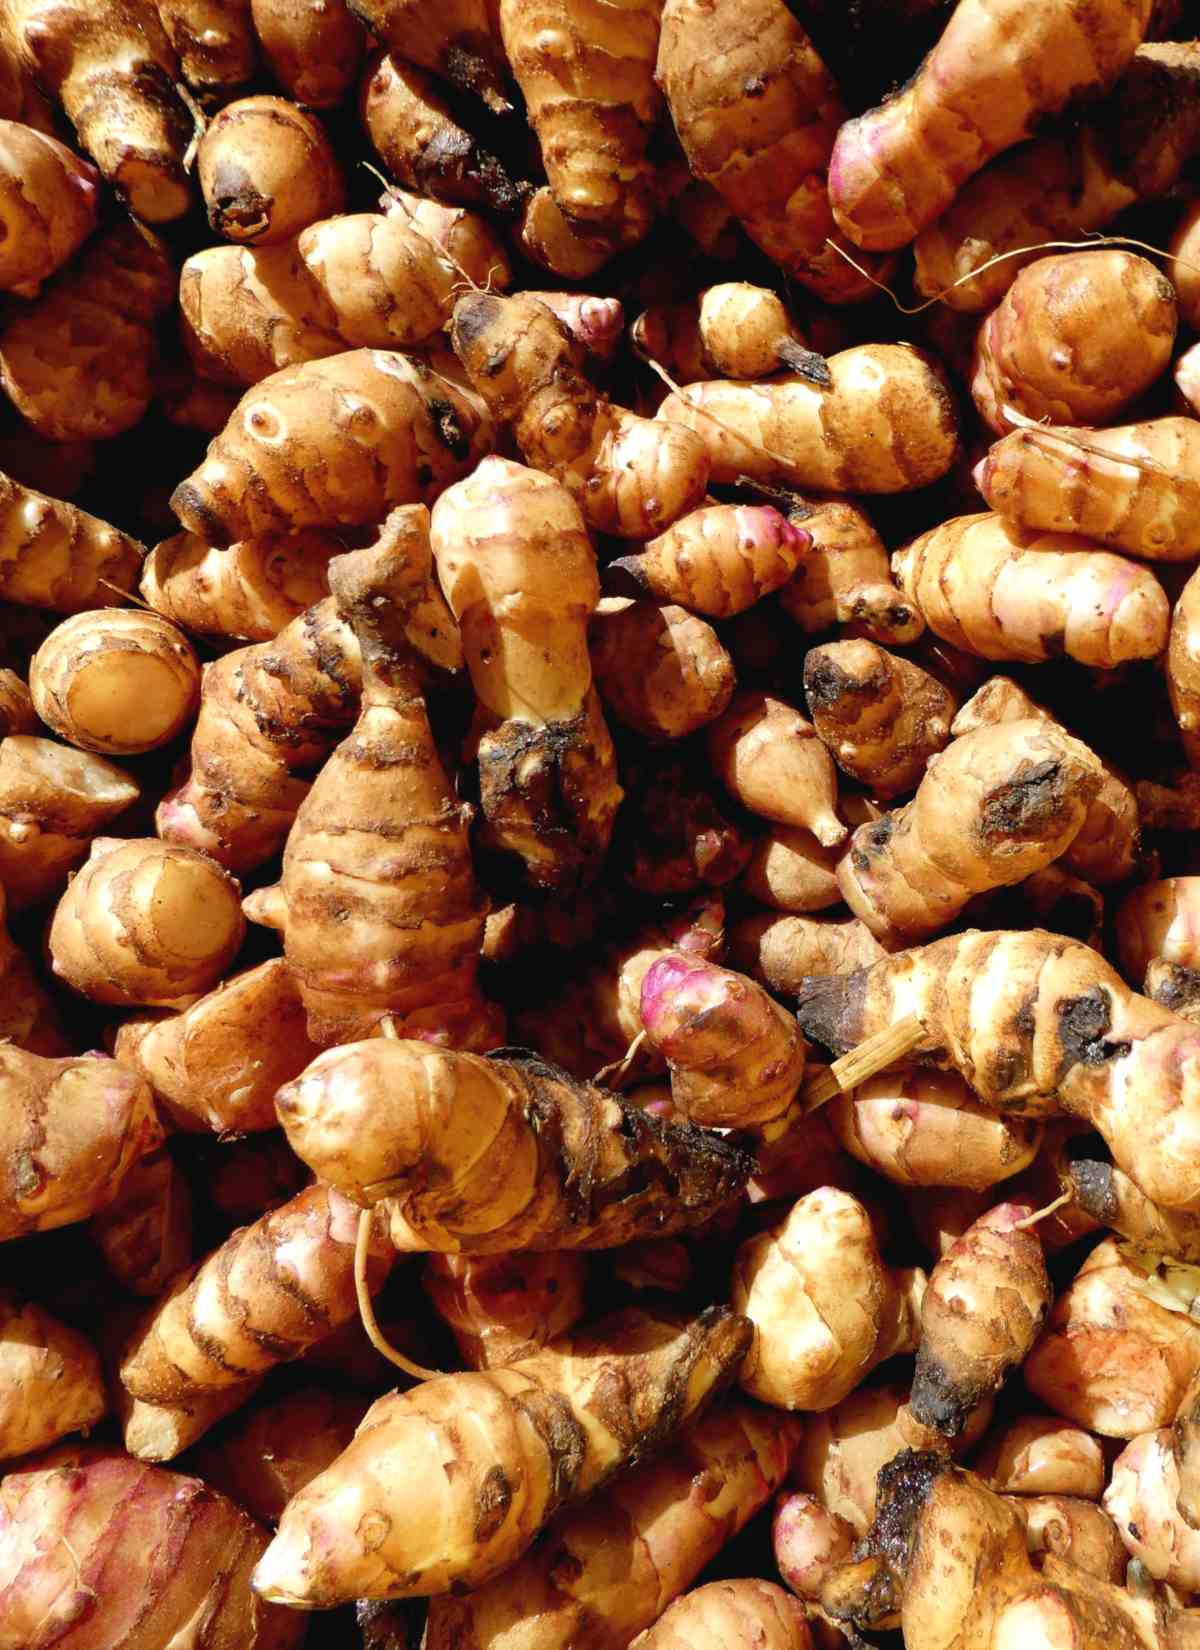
x,y
17,714
50,1381
808,1541
661,670
145,1231
769,757
1155,921
881,716
1183,667
249,591
719,560
459,41
115,682
53,800
28,1017
266,171
312,49
54,555
1043,1455
48,200
731,331
781,952
844,578
215,43
731,1615
502,1308
789,870
1141,1496
272,1450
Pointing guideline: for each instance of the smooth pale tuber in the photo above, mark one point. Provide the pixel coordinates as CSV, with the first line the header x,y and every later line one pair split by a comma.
x,y
1142,1497
789,870
1043,1455
808,1540
312,50
116,682
771,760
266,170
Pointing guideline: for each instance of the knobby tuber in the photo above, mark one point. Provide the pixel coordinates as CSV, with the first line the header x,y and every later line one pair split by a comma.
x,y
501,1308
881,716
248,592
659,669
50,1380
1142,1498
53,800
844,578
731,1615
48,203
719,560
770,758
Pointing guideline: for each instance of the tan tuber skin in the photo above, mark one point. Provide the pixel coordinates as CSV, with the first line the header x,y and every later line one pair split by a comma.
x,y
273,1449
1159,921
782,952
312,50
1107,1196
1074,340
789,870
265,1296
919,1127
79,1518
468,1476
769,757
1107,846
520,576
48,199
999,804
719,560
217,1064
552,242
825,1307
78,362
55,555
1142,1498
377,901
266,171
70,1130
1133,488
994,72
1042,1455
881,716
808,1541
456,39
846,438
1185,1443
596,323
729,331
17,714
844,578
145,921
735,1056
731,1615
608,1567
145,1232
994,590
50,1380
248,592
501,1308
215,42
401,1121
116,682
1183,667
660,670
331,443
28,1018
53,801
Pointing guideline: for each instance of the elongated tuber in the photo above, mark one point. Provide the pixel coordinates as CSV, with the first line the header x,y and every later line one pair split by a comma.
x,y
53,800
502,1308
844,577
400,1121
54,555
266,171
459,40
449,1484
769,757
825,1308
332,443
661,670
249,591
115,682
312,50
992,589
50,1381
881,716
145,922
719,560
48,199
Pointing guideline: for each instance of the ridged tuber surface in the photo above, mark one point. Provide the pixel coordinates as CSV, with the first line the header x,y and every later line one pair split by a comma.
x,y
1159,920
586,70
1042,1455
276,1447
997,69
77,362
53,801
145,921
215,43
114,71
782,952
731,1615
609,1567
757,111
825,1307
719,560
248,592
50,1380
881,716
770,758
448,1484
312,47
886,424
264,1297
1183,667
423,143
269,717
733,330
456,39
994,590
377,901
918,1127
217,1064
987,1299
630,476
71,1130
1039,1025
844,578
520,576
1132,488
332,443
266,171
117,682
552,242
501,1308
1107,846
48,200
994,807
1102,158
1142,1498
145,1232
736,1057
1074,340
54,555
403,1121
660,670
789,870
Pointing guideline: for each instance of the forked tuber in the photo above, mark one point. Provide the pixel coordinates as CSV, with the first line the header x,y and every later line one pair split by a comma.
x,y
115,682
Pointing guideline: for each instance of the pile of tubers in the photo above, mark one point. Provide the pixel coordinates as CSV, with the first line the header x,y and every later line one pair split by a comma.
x,y
599,789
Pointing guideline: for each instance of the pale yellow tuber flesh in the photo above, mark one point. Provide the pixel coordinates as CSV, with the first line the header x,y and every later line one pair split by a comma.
x,y
50,1381
449,1484
53,800
501,1308
769,757
249,591
116,682
266,170
824,1306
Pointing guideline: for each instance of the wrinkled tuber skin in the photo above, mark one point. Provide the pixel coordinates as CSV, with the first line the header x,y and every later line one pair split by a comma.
x,y
248,592
265,1296
987,1299
1142,1497
881,716
825,1307
782,953
1060,1032
463,1502
501,1308
660,670
50,1380
70,1130
608,1567
401,1121
97,1549
728,1614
